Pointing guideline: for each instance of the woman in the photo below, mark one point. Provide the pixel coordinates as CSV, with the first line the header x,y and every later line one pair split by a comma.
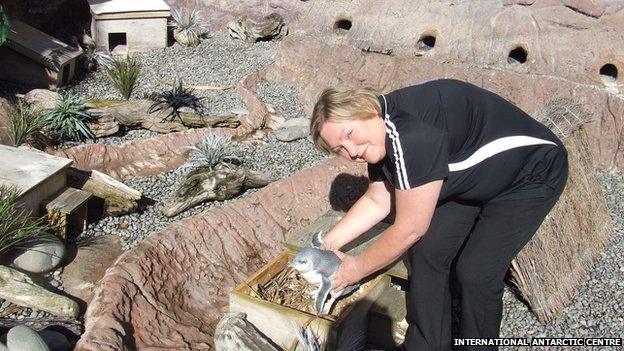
x,y
471,178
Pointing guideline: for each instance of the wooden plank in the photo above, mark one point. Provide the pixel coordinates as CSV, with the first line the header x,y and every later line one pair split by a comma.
x,y
68,201
327,221
40,46
26,169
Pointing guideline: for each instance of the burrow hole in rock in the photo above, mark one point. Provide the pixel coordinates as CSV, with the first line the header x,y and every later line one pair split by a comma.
x,y
426,42
517,55
609,73
342,26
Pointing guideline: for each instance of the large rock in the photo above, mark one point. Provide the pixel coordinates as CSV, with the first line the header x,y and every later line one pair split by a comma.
x,y
92,259
39,255
20,289
138,157
197,261
294,65
42,99
22,338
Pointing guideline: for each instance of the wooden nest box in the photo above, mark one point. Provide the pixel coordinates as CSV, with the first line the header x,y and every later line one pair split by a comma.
x,y
122,25
41,182
33,58
277,321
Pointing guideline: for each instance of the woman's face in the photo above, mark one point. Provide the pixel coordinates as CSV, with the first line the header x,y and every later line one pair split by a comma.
x,y
359,140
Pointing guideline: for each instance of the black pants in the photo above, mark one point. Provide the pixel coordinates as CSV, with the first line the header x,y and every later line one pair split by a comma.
x,y
472,247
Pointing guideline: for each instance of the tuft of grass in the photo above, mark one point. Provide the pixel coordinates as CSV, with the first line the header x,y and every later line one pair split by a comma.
x,y
4,25
16,225
212,149
68,119
189,24
175,98
25,123
123,73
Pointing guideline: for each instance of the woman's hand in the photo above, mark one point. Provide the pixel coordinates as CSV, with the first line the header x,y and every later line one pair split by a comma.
x,y
329,244
350,272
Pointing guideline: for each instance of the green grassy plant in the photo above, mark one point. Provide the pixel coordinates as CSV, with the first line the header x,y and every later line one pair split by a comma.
x,y
16,226
189,25
212,149
175,98
4,25
67,120
123,73
25,124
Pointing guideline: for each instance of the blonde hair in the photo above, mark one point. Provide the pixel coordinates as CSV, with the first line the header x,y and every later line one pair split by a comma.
x,y
342,104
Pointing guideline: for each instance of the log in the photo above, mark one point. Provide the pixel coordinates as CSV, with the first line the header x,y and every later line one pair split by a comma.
x,y
16,287
133,114
118,198
248,30
220,182
235,333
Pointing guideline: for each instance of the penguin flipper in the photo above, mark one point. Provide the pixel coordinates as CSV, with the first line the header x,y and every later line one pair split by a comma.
x,y
317,240
321,296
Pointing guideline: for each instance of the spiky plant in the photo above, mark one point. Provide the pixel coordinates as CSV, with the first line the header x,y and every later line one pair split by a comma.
x,y
68,118
4,25
25,123
16,225
123,73
189,25
174,99
212,149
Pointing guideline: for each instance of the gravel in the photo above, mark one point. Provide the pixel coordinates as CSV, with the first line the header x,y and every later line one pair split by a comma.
x,y
284,98
217,61
277,159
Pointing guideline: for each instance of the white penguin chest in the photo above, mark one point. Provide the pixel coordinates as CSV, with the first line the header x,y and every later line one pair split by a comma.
x,y
312,277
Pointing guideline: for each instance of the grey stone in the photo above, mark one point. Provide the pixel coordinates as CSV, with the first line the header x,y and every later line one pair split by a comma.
x,y
291,133
55,340
40,255
297,122
22,338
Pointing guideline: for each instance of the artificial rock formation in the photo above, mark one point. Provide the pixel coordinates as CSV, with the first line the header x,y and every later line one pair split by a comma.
x,y
197,261
138,157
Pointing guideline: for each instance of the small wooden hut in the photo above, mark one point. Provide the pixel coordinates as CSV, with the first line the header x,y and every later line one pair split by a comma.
x,y
33,58
131,25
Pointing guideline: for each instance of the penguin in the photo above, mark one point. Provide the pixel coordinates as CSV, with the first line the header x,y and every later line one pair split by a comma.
x,y
317,266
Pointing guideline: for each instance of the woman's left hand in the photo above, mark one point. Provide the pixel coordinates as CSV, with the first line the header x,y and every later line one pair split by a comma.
x,y
349,273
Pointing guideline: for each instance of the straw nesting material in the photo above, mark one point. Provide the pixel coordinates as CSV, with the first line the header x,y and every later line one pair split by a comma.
x,y
288,288
550,268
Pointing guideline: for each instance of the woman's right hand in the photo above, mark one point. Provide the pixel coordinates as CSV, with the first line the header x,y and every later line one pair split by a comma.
x,y
328,243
